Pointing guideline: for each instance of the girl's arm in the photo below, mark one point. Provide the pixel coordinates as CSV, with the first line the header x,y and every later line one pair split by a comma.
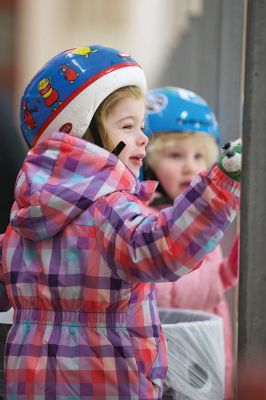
x,y
4,302
173,243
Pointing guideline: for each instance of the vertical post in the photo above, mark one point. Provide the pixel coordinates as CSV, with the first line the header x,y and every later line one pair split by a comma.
x,y
229,91
229,88
252,293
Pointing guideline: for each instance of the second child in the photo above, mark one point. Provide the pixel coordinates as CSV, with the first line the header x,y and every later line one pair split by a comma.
x,y
184,142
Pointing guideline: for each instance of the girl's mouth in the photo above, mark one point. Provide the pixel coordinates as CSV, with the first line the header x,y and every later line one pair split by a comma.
x,y
137,160
185,185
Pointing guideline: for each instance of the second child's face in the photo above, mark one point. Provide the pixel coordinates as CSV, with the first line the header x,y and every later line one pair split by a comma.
x,y
178,166
125,123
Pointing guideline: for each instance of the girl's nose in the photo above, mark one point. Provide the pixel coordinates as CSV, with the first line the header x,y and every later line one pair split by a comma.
x,y
190,166
142,139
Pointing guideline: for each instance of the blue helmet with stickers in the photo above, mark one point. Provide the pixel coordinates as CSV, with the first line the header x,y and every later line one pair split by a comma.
x,y
173,109
66,92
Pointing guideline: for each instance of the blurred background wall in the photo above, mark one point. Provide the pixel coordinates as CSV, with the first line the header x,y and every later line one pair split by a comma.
x,y
150,30
196,44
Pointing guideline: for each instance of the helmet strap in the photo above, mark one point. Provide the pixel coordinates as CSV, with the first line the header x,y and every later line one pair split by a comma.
x,y
95,133
98,141
117,150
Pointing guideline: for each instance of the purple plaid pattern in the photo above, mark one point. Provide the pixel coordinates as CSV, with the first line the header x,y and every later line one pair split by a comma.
x,y
4,302
80,261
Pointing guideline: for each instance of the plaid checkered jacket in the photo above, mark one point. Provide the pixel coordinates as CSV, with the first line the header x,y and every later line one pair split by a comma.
x,y
79,264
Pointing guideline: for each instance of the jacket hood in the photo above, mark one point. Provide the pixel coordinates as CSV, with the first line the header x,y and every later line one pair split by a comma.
x,y
60,178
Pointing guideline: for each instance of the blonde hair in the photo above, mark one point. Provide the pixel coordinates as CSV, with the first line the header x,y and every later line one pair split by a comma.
x,y
163,140
106,107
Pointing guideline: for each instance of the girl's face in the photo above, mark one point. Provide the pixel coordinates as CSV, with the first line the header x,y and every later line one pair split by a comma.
x,y
125,123
178,165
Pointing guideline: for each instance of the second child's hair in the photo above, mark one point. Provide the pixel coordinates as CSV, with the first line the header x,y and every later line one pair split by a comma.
x,y
105,108
163,140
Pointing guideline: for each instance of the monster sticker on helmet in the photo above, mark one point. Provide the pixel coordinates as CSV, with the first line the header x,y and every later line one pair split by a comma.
x,y
83,51
69,73
28,115
49,94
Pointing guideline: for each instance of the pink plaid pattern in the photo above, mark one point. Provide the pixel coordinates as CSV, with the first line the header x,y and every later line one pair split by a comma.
x,y
79,265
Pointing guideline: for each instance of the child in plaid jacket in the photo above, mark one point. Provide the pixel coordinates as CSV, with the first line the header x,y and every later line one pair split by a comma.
x,y
81,255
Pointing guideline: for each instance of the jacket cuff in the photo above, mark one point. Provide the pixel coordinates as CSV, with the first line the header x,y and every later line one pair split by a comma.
x,y
224,181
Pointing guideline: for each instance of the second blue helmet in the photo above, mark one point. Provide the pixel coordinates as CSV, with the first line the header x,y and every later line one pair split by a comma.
x,y
173,109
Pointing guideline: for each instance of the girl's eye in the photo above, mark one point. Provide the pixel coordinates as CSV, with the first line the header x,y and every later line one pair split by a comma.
x,y
128,126
174,155
198,156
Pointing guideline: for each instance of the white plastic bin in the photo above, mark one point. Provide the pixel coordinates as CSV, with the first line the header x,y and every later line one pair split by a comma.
x,y
195,355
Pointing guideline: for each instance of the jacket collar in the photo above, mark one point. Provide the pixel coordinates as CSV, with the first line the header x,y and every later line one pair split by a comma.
x,y
61,177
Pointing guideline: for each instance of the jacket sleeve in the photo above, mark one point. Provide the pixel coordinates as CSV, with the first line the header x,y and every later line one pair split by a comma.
x,y
166,246
4,302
